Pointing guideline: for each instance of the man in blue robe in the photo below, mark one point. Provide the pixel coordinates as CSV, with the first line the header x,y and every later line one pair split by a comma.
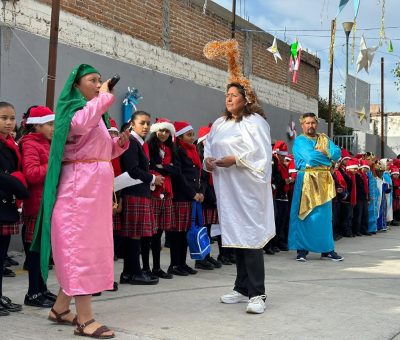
x,y
310,227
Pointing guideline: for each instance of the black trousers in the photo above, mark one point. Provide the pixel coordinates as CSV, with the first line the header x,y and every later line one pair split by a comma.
x,y
36,283
178,247
346,212
281,223
250,274
360,217
4,243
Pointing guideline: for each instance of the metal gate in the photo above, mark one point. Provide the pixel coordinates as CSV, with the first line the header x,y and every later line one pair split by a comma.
x,y
348,142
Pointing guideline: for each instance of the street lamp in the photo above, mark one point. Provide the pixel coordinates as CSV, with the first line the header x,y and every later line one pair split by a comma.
x,y
347,26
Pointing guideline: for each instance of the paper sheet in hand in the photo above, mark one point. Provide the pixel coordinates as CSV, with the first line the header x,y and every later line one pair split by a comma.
x,y
124,180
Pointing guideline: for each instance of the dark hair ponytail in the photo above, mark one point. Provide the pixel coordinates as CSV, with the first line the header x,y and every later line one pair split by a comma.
x,y
27,128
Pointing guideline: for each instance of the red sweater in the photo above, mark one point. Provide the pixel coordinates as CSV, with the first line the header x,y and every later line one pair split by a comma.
x,y
35,149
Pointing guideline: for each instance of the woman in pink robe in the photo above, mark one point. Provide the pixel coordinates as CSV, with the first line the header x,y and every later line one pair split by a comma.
x,y
81,224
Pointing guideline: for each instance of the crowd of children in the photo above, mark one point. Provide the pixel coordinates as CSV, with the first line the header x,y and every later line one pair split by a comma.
x,y
167,159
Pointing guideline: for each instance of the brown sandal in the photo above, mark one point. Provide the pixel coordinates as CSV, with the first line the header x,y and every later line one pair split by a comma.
x,y
58,319
97,334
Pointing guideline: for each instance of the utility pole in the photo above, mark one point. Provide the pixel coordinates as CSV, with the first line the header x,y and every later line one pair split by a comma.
x,y
331,81
382,110
233,29
52,62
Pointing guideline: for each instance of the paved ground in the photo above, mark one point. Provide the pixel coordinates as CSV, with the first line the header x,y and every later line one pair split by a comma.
x,y
358,298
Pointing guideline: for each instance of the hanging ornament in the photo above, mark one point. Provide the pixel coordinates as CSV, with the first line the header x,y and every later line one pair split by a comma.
x,y
382,35
132,98
343,3
295,56
390,46
353,44
366,56
291,130
274,50
361,115
332,45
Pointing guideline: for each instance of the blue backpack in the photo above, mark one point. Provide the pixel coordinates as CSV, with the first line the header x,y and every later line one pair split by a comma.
x,y
197,236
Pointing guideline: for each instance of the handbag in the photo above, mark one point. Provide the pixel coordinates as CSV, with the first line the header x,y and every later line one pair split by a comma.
x,y
197,235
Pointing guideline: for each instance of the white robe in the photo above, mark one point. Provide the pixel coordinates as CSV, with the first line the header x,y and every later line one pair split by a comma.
x,y
243,191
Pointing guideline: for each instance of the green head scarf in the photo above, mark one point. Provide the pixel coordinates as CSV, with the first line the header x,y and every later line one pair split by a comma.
x,y
70,101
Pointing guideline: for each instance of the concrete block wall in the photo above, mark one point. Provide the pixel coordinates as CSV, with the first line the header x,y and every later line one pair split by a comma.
x,y
135,32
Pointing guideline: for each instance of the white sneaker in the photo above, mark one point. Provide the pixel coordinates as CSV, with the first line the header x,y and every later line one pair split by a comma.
x,y
256,304
234,297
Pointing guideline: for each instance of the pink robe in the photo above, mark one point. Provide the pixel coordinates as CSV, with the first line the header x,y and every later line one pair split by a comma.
x,y
81,224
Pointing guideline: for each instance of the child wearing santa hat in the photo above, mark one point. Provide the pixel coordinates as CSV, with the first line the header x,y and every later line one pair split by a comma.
x,y
162,155
38,130
186,186
13,185
360,216
394,172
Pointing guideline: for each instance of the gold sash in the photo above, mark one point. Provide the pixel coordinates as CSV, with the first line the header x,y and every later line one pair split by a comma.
x,y
318,184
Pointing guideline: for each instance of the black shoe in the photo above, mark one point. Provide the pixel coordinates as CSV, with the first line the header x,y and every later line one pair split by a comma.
x,y
224,260
232,258
38,300
337,237
8,273
162,274
96,294
114,288
3,311
8,262
214,262
366,233
149,273
143,279
49,295
269,251
358,234
176,270
275,249
124,278
188,269
347,234
203,264
8,305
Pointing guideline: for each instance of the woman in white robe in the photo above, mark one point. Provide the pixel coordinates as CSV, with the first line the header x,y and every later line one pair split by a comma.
x,y
239,154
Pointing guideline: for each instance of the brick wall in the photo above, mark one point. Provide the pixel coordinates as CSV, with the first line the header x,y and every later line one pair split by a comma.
x,y
168,36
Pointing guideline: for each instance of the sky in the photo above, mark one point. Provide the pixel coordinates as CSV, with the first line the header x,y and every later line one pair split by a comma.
x,y
298,17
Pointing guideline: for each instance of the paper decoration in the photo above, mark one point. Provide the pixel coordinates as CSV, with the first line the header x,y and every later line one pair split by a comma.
x,y
390,46
382,35
274,50
291,130
362,115
294,62
343,4
365,57
132,98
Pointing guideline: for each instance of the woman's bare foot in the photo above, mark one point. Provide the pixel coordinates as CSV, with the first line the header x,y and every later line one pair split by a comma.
x,y
91,327
63,317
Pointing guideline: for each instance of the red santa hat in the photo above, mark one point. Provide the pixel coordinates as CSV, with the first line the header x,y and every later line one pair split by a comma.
x,y
113,124
352,163
345,155
280,147
394,170
161,124
203,132
40,115
182,127
364,164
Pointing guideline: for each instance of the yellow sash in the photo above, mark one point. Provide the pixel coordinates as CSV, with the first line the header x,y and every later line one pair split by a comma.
x,y
318,184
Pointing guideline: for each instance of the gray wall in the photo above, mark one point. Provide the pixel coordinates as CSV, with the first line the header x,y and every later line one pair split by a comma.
x,y
23,83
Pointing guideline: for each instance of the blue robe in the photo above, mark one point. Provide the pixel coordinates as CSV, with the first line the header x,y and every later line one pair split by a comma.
x,y
373,205
382,220
314,233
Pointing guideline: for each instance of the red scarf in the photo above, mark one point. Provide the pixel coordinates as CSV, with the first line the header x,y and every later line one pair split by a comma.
x,y
10,143
191,152
166,159
365,181
340,179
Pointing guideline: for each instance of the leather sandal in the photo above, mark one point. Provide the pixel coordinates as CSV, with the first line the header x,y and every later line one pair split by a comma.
x,y
58,319
97,334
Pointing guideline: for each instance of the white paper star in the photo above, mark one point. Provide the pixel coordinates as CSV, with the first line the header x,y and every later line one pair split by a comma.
x,y
274,50
365,57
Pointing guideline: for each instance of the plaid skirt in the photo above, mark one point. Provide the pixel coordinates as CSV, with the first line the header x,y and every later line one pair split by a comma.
x,y
137,218
163,211
9,229
210,216
183,216
117,221
29,222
